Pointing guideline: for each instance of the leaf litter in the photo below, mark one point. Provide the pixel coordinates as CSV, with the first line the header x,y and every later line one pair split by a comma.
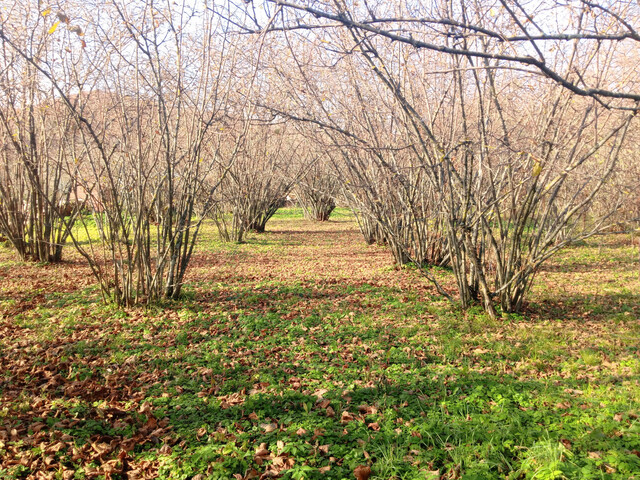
x,y
310,356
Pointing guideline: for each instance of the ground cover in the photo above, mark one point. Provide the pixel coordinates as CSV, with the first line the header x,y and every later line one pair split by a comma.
x,y
304,354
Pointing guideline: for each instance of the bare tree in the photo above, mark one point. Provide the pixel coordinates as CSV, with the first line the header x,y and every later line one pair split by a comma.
x,y
258,183
513,132
35,180
316,189
502,33
149,86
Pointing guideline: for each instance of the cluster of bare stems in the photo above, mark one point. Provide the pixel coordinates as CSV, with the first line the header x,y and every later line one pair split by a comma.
x,y
317,188
130,110
36,163
469,133
259,181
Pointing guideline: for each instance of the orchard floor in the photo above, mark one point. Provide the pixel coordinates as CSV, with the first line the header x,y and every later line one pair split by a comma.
x,y
304,354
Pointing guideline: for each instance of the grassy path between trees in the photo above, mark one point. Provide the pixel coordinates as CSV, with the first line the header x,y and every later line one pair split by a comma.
x,y
304,354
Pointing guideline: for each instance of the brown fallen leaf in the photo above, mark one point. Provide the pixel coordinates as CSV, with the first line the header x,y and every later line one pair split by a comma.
x,y
55,448
268,427
36,427
346,417
362,472
251,473
165,450
68,474
573,391
136,474
319,393
368,409
280,463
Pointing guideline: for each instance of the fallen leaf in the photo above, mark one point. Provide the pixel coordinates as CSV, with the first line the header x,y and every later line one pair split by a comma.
x,y
362,472
165,450
269,427
262,450
319,393
346,417
573,391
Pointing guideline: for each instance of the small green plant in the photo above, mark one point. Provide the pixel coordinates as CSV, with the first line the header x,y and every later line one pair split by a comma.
x,y
590,358
546,460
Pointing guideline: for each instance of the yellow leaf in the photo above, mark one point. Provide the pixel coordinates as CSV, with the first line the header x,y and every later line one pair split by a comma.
x,y
46,12
53,27
537,169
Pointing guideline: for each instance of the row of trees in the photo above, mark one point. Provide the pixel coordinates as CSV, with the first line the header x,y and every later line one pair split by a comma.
x,y
114,107
471,132
462,134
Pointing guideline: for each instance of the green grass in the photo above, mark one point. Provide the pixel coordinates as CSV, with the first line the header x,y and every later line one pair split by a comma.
x,y
303,355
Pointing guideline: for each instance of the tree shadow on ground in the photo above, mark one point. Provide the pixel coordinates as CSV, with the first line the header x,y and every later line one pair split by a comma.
x,y
203,394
